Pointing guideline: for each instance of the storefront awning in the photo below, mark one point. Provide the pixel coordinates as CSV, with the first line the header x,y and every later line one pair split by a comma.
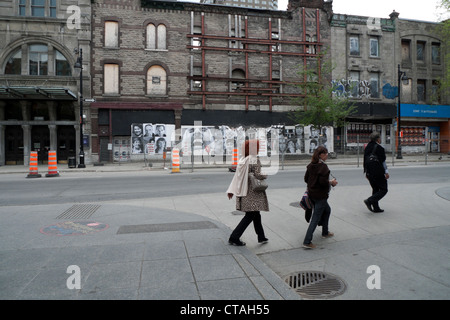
x,y
425,110
42,93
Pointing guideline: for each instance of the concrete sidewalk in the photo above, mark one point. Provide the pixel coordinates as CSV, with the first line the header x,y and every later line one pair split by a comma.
x,y
176,247
127,252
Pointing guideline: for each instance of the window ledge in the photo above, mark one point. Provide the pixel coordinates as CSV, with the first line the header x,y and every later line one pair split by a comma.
x,y
150,96
157,50
106,95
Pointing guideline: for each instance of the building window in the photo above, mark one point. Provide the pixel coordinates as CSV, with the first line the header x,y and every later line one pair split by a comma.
x,y
22,7
406,50
14,64
111,79
354,45
62,66
38,59
275,36
374,47
421,90
420,50
435,91
156,37
354,83
111,34
53,8
156,81
374,85
161,37
38,8
311,48
436,53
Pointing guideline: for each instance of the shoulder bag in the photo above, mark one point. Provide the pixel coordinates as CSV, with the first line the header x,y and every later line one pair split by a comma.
x,y
256,184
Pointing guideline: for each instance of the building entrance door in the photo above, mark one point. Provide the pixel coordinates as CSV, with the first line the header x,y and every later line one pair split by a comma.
x,y
13,145
40,142
66,142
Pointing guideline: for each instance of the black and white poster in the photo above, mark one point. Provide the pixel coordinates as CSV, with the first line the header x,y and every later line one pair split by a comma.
x,y
151,138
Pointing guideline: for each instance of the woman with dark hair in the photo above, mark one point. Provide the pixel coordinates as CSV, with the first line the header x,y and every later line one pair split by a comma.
x,y
317,178
249,201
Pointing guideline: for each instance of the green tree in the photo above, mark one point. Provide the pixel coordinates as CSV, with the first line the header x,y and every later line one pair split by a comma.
x,y
321,102
444,30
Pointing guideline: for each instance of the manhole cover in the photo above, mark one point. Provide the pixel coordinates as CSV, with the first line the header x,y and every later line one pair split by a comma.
x,y
315,284
73,228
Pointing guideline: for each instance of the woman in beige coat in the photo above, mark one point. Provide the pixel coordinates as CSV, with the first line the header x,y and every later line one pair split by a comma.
x,y
249,201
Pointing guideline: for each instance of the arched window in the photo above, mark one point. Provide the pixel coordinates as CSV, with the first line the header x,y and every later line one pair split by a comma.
x,y
14,64
62,66
38,61
161,36
237,74
156,37
156,81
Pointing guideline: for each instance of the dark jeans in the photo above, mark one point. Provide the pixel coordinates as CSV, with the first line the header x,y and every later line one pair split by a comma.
x,y
250,216
379,189
321,213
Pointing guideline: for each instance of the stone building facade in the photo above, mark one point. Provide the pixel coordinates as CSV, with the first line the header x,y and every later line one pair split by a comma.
x,y
175,63
367,53
425,105
364,70
38,84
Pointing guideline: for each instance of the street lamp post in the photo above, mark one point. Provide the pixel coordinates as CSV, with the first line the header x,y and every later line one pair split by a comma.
x,y
401,76
79,64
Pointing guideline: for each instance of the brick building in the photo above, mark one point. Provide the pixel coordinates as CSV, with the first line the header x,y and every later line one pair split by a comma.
x,y
174,63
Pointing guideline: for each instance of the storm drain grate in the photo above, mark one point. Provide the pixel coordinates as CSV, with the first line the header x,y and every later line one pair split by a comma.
x,y
164,227
79,211
315,284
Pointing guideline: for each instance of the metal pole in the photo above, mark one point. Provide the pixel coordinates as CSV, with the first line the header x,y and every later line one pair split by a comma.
x,y
357,151
399,126
81,164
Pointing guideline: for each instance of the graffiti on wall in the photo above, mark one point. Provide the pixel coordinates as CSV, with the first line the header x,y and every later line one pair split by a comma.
x,y
349,88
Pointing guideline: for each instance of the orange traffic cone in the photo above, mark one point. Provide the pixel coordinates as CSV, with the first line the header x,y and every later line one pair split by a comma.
x,y
175,160
234,160
33,165
52,165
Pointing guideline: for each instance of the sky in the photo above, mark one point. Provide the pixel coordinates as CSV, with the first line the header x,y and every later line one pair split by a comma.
x,y
425,10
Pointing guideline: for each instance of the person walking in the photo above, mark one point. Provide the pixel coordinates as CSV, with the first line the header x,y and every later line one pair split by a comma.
x,y
247,200
376,172
317,178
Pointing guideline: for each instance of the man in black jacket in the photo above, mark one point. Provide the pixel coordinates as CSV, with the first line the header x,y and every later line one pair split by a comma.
x,y
376,172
